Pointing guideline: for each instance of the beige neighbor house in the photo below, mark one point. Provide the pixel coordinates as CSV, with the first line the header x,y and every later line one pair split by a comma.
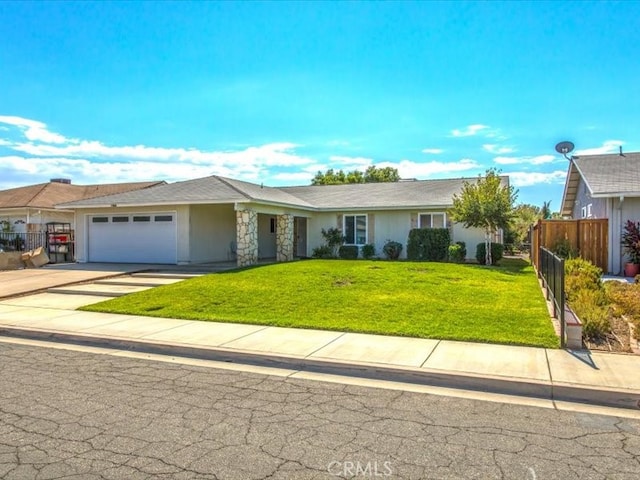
x,y
219,219
28,209
605,186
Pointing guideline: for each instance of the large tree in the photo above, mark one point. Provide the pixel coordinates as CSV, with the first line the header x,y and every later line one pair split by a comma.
x,y
524,215
486,204
371,175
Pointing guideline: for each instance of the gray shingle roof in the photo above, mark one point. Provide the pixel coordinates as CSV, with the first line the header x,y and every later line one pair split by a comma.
x,y
419,193
212,189
215,189
613,174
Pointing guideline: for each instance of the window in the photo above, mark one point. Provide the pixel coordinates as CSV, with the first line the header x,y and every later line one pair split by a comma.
x,y
432,220
583,212
355,229
272,225
120,219
163,218
100,219
589,210
142,218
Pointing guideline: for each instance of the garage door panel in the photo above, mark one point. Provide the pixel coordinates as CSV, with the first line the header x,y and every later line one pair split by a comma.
x,y
120,241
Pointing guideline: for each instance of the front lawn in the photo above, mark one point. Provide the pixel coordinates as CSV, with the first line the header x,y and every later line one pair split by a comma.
x,y
431,300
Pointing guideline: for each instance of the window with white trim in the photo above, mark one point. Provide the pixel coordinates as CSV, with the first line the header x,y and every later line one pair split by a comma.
x,y
589,210
432,220
355,229
583,212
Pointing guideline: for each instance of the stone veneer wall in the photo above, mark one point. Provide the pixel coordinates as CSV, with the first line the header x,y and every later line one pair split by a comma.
x,y
284,238
247,241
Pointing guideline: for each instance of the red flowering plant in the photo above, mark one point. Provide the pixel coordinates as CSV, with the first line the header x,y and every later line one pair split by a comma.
x,y
631,240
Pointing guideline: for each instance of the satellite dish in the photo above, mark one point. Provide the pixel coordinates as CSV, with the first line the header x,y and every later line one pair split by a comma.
x,y
564,148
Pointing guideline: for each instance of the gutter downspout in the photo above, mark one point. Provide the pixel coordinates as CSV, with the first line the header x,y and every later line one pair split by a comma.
x,y
621,268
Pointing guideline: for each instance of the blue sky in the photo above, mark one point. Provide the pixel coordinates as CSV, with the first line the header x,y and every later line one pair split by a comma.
x,y
273,92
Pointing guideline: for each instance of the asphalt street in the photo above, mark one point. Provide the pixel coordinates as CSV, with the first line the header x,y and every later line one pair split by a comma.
x,y
69,414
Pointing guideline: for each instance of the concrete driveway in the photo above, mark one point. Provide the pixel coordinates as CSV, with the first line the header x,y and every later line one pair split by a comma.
x,y
32,280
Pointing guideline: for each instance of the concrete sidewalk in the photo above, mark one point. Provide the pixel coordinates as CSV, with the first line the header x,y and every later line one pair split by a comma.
x,y
560,375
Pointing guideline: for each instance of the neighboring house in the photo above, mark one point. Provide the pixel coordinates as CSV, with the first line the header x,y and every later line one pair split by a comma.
x,y
604,186
30,208
215,219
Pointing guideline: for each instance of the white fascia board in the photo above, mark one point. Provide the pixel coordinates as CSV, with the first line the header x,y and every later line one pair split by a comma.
x,y
385,208
615,194
154,204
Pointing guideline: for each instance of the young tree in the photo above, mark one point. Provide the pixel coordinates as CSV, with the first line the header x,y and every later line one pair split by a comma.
x,y
371,175
545,211
485,204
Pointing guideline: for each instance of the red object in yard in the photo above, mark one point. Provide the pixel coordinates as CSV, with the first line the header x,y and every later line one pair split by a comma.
x,y
58,238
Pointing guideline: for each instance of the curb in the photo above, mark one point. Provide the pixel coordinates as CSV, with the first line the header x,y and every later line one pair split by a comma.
x,y
602,396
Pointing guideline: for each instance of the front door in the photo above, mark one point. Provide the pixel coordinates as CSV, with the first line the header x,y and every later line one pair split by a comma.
x,y
300,236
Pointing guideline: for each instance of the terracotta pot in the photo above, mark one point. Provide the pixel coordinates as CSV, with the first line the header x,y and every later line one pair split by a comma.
x,y
631,269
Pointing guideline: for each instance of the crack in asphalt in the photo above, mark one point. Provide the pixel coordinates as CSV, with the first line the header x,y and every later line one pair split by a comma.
x,y
67,414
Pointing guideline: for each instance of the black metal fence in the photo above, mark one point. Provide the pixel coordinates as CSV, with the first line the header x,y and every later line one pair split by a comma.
x,y
551,271
22,242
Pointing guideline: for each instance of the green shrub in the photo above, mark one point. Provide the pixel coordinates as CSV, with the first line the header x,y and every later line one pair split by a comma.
x,y
590,307
334,238
580,274
625,299
428,244
348,252
458,252
368,251
392,250
563,249
497,250
325,251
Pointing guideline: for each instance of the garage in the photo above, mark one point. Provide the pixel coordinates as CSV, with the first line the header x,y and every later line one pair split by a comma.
x,y
133,238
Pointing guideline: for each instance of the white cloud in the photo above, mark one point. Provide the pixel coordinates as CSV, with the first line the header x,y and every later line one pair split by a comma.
x,y
273,154
432,151
411,169
528,179
497,149
469,131
351,163
609,146
537,160
83,171
34,130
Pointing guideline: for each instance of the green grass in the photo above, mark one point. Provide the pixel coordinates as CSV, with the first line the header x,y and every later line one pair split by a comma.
x,y
419,299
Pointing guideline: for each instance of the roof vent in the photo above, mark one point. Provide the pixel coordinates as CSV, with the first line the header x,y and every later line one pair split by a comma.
x,y
66,181
621,154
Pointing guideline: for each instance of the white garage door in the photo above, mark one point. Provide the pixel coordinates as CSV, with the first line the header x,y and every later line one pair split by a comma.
x,y
133,238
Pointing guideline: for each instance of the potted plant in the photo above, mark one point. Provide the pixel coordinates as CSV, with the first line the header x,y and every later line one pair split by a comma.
x,y
631,244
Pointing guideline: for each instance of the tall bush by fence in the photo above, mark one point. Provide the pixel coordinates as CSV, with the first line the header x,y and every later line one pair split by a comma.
x,y
428,244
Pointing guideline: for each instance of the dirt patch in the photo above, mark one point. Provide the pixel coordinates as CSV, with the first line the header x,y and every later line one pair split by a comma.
x,y
342,282
618,340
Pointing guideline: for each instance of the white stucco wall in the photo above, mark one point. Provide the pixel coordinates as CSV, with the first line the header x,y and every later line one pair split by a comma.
x,y
182,217
470,236
38,218
212,229
388,225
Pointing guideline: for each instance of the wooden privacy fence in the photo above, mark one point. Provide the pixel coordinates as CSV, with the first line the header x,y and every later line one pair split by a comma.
x,y
588,237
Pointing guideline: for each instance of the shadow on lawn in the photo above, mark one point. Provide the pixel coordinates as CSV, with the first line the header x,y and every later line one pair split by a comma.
x,y
507,266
